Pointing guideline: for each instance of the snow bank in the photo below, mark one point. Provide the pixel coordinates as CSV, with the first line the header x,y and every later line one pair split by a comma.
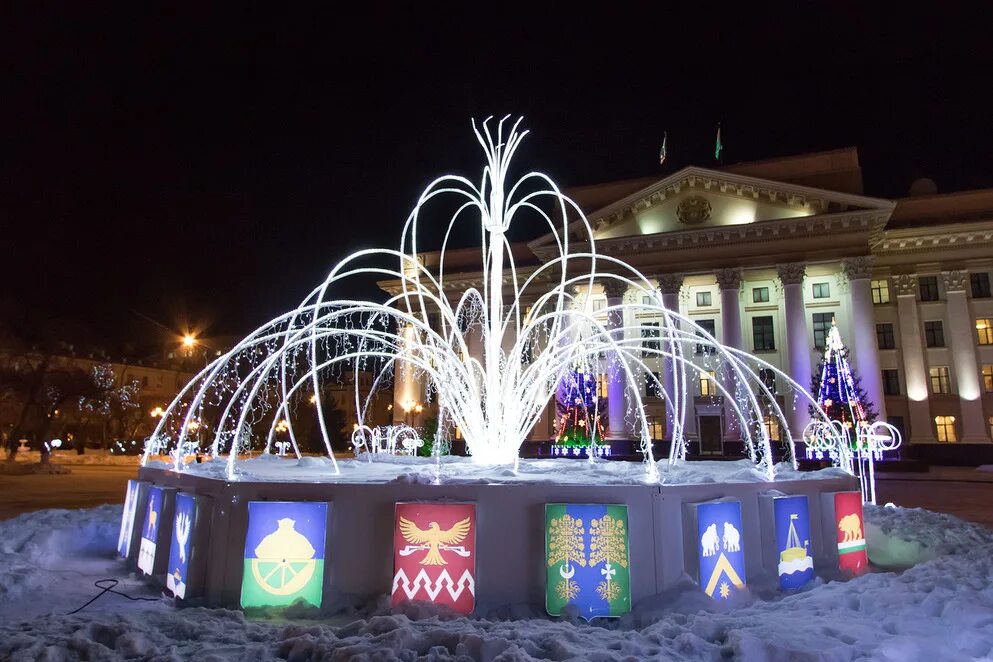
x,y
939,609
461,470
903,537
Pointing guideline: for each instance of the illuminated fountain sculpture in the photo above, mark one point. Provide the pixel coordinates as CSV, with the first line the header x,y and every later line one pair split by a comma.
x,y
489,359
490,362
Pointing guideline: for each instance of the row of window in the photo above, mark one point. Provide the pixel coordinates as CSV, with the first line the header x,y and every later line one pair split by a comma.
x,y
927,288
939,379
944,427
764,338
934,333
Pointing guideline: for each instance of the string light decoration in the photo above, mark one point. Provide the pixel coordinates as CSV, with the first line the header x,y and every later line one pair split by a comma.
x,y
838,391
489,356
579,424
851,437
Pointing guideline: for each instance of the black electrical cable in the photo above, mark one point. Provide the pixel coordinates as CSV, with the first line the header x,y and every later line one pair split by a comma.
x,y
100,584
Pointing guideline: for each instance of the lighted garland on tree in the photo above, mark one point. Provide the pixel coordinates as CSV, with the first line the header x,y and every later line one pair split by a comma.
x,y
839,390
578,408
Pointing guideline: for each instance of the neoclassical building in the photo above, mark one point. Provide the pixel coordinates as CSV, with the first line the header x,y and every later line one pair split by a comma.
x,y
768,254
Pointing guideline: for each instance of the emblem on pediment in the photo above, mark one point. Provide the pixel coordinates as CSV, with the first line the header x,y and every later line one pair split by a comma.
x,y
693,210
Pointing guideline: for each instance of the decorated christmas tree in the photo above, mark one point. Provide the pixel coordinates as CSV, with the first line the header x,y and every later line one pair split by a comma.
x,y
578,411
839,390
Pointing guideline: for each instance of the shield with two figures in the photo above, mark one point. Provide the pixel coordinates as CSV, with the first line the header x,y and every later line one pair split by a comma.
x,y
434,554
721,552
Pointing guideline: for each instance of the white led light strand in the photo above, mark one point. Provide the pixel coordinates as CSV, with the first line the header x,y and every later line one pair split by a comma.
x,y
492,367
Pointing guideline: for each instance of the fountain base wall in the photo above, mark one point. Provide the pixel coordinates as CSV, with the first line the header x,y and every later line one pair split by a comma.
x,y
510,530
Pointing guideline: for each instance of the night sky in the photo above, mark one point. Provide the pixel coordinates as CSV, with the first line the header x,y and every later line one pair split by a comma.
x,y
205,168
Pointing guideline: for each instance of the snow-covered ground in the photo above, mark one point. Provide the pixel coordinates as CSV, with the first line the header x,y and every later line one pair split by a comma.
x,y
453,469
936,603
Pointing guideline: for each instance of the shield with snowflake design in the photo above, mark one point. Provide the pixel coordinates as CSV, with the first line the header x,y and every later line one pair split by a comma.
x,y
434,554
587,559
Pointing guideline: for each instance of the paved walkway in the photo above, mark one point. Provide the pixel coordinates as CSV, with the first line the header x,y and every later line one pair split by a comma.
x,y
960,491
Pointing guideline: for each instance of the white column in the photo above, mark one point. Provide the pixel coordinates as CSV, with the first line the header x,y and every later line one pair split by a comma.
x,y
616,404
729,283
866,349
669,287
914,368
798,342
963,334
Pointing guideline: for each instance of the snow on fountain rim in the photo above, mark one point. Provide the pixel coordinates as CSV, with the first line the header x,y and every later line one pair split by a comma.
x,y
456,470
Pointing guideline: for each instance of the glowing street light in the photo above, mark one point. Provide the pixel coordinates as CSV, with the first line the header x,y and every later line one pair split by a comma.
x,y
158,412
189,340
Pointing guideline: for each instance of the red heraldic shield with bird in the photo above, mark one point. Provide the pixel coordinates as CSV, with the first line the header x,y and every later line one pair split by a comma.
x,y
434,554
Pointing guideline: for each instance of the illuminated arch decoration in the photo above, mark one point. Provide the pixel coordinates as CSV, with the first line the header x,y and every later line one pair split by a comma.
x,y
490,356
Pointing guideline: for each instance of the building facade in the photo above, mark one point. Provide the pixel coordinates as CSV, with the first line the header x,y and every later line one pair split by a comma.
x,y
768,255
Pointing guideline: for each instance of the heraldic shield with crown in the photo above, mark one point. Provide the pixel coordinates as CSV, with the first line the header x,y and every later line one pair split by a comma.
x,y
434,555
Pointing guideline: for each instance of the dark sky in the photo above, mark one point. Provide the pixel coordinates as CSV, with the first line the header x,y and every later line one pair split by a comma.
x,y
208,166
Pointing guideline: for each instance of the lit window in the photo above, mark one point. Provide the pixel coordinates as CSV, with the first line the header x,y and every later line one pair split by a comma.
x,y
990,421
822,290
656,427
885,338
601,385
984,331
928,287
945,427
760,295
771,425
934,334
762,334
980,285
880,291
988,378
708,385
940,383
703,299
891,382
599,304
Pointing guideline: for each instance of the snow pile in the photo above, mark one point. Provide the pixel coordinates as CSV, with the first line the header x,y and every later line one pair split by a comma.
x,y
461,470
49,560
904,537
71,457
939,609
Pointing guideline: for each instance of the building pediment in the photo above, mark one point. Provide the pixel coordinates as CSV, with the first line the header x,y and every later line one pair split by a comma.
x,y
709,200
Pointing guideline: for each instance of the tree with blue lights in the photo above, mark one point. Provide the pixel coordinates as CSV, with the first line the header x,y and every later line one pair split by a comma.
x,y
839,390
577,410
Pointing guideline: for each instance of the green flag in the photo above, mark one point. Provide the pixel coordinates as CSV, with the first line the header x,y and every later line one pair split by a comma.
x,y
718,146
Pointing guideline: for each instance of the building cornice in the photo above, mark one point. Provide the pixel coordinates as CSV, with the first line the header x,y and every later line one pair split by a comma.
x,y
925,239
865,221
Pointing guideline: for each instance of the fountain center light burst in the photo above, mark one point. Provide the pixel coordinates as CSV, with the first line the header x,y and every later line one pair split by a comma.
x,y
490,356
